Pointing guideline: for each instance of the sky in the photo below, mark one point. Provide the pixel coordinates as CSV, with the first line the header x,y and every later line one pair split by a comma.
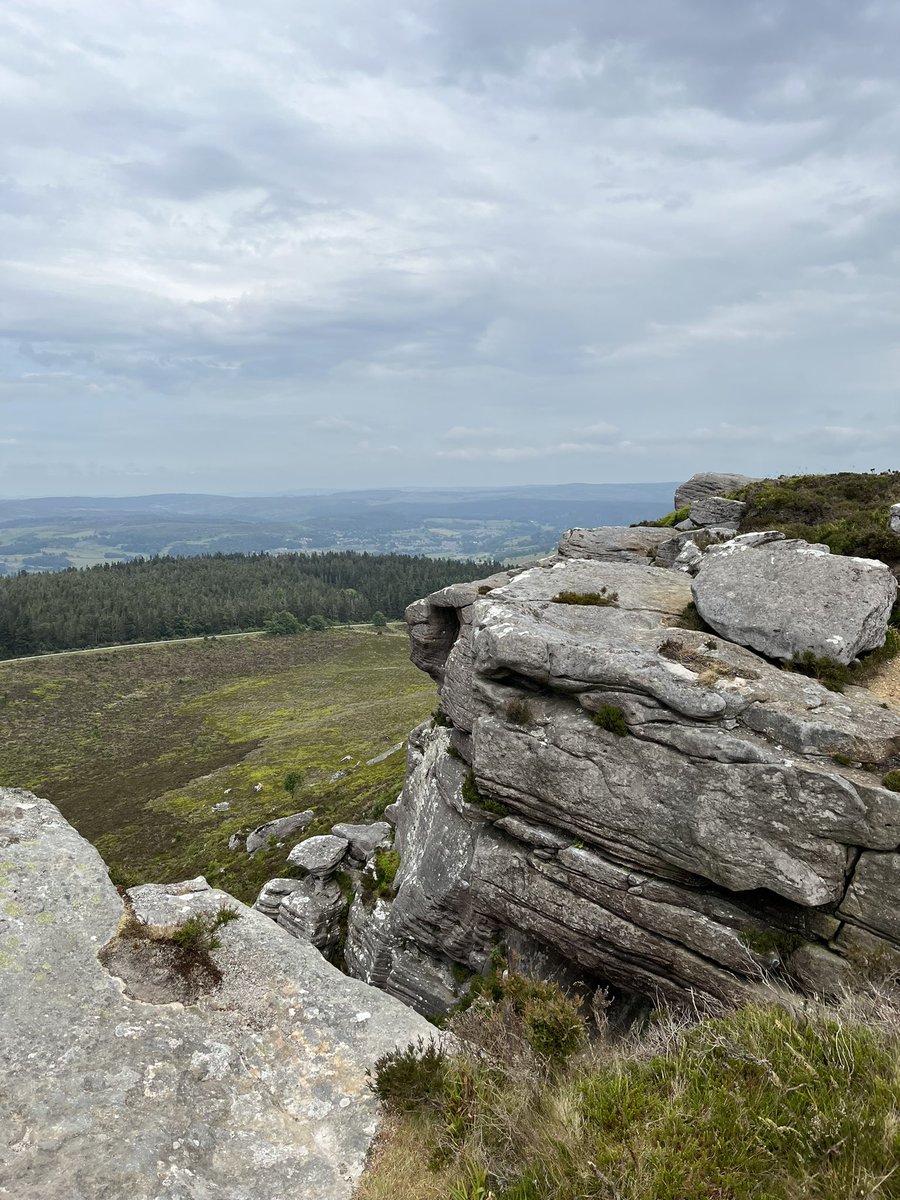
x,y
271,246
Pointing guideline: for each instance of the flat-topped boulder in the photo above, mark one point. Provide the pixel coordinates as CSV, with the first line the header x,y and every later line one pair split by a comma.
x,y
257,1090
613,543
280,828
319,855
790,598
710,483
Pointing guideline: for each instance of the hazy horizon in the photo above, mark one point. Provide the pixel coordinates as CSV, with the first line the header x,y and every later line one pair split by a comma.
x,y
443,243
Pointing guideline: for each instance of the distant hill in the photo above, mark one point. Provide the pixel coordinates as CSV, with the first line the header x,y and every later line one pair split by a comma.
x,y
50,533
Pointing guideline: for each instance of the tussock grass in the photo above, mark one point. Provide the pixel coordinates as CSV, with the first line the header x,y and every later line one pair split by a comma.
x,y
758,1104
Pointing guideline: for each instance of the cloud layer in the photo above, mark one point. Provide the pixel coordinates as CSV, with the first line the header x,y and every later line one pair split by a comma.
x,y
298,245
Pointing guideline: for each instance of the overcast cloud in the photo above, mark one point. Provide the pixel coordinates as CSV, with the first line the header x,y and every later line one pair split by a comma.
x,y
290,244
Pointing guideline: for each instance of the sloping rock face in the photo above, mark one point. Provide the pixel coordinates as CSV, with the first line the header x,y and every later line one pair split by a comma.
x,y
614,543
657,807
257,1091
710,483
789,598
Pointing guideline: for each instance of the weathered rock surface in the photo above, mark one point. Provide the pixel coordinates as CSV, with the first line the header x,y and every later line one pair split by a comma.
x,y
894,519
313,911
710,483
364,840
873,898
613,543
716,510
789,598
272,893
319,855
281,828
668,553
656,860
255,1092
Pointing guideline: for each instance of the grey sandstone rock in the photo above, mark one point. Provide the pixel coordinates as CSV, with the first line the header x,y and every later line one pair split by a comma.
x,y
272,893
647,860
257,1091
709,483
667,553
364,840
689,558
758,538
281,828
613,543
894,519
873,898
320,855
313,911
716,510
789,598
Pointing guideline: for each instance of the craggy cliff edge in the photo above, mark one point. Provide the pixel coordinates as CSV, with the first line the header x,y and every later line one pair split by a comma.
x,y
726,834
113,1088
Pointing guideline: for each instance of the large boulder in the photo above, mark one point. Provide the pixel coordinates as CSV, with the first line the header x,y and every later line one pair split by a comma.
x,y
279,829
321,855
789,598
257,1088
314,911
710,483
717,511
894,519
613,543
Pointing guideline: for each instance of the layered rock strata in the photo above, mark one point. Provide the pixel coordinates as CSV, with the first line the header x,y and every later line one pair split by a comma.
x,y
657,807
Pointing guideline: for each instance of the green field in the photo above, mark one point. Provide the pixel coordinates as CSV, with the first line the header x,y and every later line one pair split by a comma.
x,y
136,745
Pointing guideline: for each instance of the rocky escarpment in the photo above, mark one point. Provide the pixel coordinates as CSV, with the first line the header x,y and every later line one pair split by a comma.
x,y
114,1087
630,801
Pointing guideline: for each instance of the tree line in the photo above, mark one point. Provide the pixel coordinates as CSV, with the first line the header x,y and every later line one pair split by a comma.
x,y
151,599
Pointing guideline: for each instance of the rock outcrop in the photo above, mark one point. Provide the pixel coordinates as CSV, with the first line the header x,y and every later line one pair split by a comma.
x,y
615,543
648,805
789,598
281,828
114,1087
710,483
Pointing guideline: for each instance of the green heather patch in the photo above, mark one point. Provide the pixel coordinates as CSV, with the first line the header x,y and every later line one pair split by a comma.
x,y
756,1105
892,781
601,599
669,520
136,745
848,512
611,718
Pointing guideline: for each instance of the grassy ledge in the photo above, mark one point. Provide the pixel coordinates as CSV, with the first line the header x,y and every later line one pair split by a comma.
x,y
756,1105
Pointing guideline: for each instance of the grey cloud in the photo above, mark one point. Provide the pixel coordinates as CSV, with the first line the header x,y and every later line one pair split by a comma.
x,y
393,245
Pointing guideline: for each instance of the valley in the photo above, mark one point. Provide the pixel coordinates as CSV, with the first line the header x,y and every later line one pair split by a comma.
x,y
137,745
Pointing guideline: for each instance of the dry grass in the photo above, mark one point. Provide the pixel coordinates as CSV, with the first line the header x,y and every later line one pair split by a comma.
x,y
758,1104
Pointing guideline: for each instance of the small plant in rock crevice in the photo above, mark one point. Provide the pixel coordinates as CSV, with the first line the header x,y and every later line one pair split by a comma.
x,y
440,719
472,795
611,718
519,712
601,599
378,884
892,781
198,934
